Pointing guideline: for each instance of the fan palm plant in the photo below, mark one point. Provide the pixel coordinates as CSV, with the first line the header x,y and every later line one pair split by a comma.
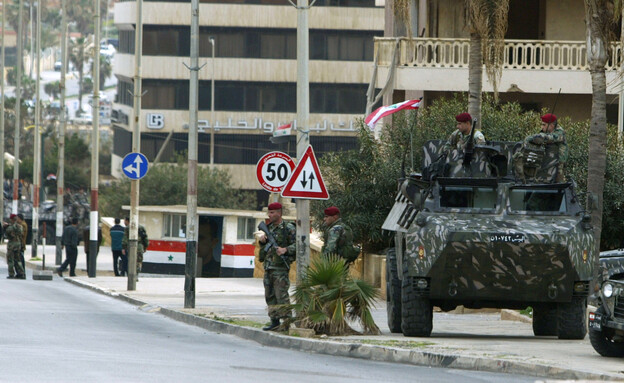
x,y
328,298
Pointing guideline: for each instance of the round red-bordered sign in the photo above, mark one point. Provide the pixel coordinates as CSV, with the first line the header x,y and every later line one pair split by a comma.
x,y
274,170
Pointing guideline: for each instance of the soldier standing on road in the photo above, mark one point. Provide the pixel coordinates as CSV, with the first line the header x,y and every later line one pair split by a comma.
x,y
338,237
22,222
277,264
14,234
142,244
459,138
70,241
117,234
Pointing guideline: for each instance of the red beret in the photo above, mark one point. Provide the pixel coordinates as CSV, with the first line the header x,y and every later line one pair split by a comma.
x,y
275,206
12,216
331,211
463,117
549,118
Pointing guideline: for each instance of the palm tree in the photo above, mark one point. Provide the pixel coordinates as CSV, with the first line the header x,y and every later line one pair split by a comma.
x,y
78,57
601,17
328,297
106,70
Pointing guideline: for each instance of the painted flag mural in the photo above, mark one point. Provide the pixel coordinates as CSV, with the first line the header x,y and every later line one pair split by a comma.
x,y
384,111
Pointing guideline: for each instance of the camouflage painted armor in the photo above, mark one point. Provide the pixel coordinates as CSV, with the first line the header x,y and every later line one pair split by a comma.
x,y
276,282
542,157
458,140
14,234
336,239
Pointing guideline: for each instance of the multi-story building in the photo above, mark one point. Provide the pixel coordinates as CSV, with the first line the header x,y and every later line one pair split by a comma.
x,y
255,72
545,54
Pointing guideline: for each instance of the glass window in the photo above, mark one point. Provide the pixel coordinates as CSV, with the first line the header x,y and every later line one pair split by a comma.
x,y
174,226
538,200
468,197
246,228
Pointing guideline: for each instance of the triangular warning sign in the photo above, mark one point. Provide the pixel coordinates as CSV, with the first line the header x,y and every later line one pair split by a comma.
x,y
306,180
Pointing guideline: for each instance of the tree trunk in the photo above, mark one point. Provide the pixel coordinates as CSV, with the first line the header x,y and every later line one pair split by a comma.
x,y
475,78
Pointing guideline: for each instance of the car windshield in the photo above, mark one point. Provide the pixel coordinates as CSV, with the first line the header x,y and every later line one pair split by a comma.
x,y
468,197
538,200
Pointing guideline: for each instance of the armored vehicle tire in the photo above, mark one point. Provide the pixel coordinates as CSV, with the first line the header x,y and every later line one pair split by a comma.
x,y
393,292
601,341
416,311
545,320
572,319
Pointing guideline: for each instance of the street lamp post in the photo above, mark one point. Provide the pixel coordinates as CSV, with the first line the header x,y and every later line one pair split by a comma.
x,y
212,101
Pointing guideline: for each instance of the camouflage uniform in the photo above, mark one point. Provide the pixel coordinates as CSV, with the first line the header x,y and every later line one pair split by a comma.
x,y
276,282
140,246
529,161
14,233
336,239
457,140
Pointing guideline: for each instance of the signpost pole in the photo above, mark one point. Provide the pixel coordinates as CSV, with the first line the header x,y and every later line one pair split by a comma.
x,y
60,176
95,152
18,103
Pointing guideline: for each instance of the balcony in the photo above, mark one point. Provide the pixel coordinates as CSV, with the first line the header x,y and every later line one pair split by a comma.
x,y
436,64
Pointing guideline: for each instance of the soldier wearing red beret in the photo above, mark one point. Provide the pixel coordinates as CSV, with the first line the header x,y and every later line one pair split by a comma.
x,y
276,261
338,237
459,138
552,134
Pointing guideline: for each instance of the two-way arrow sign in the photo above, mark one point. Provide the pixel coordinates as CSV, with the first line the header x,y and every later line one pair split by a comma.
x,y
306,180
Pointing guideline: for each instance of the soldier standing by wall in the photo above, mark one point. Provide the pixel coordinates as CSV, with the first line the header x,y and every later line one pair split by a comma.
x,y
14,233
338,237
22,222
142,244
276,261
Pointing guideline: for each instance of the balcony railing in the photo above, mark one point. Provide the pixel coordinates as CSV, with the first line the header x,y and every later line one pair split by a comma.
x,y
519,54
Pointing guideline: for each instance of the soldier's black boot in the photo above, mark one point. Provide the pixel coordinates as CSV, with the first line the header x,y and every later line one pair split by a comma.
x,y
275,323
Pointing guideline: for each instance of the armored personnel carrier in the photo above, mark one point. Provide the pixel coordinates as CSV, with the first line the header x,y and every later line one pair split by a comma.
x,y
489,231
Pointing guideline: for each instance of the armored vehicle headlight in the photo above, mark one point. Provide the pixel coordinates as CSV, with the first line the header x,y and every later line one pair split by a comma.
x,y
607,290
422,283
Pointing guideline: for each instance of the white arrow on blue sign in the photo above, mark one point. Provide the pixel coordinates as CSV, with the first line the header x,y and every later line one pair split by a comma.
x,y
134,166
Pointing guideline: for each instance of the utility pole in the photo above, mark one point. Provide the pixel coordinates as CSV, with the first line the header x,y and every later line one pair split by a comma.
x,y
37,136
303,131
18,106
136,148
94,223
212,101
60,174
2,58
191,197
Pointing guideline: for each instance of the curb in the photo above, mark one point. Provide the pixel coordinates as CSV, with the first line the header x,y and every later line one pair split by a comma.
x,y
358,350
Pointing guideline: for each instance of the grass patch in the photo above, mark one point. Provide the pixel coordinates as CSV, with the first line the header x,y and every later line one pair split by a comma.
x,y
396,343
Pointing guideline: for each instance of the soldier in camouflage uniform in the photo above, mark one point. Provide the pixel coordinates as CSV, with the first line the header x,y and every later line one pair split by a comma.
x,y
277,264
459,138
337,237
529,161
14,233
142,244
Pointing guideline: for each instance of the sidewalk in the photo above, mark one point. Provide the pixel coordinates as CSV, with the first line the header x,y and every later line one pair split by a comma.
x,y
477,340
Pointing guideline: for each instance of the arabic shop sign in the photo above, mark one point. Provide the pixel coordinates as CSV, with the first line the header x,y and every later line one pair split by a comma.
x,y
156,121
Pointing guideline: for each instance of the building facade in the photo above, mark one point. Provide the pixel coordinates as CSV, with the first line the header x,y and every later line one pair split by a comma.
x,y
255,72
545,54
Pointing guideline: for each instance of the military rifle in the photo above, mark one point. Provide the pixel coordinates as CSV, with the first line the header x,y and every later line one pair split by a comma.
x,y
469,150
271,242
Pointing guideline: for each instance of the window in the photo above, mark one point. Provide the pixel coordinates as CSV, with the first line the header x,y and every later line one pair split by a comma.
x,y
246,228
538,200
175,226
468,197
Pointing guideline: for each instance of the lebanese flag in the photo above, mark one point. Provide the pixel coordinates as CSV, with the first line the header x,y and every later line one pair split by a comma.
x,y
384,111
283,130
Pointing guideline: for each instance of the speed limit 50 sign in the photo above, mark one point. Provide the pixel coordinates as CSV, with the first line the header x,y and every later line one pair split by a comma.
x,y
273,170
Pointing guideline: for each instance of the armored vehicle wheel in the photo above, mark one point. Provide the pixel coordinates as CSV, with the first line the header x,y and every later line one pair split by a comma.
x,y
572,319
393,292
416,311
545,320
602,340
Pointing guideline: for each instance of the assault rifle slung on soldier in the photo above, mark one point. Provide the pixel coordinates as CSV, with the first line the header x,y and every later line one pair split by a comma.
x,y
271,242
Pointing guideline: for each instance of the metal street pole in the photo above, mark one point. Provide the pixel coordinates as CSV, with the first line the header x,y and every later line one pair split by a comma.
x,y
2,58
191,196
303,132
95,149
60,174
212,102
18,108
37,136
136,148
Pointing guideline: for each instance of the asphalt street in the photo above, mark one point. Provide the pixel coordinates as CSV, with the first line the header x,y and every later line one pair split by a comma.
x,y
56,332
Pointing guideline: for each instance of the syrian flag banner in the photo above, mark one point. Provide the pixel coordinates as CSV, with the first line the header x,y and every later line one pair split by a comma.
x,y
384,111
283,130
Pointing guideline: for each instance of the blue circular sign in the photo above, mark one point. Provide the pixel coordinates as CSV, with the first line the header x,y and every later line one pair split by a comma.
x,y
134,166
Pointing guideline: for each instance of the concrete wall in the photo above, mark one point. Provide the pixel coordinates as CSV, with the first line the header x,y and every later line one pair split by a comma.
x,y
565,20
